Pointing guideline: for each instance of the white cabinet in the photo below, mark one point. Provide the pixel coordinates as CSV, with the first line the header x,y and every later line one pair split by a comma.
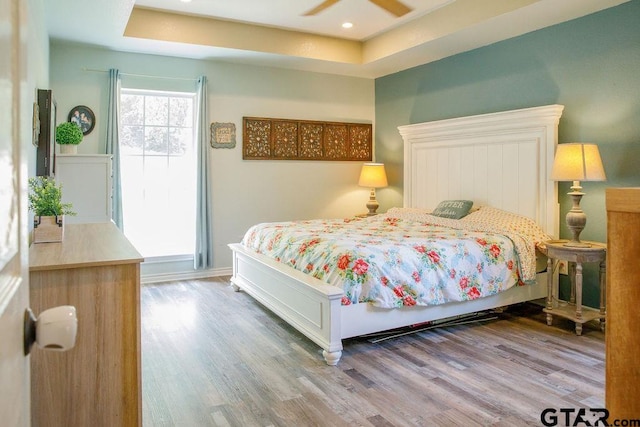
x,y
86,184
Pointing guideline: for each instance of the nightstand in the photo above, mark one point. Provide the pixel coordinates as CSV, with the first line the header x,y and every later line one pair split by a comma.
x,y
573,308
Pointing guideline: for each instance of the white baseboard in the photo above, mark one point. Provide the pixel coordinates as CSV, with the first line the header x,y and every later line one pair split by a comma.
x,y
185,275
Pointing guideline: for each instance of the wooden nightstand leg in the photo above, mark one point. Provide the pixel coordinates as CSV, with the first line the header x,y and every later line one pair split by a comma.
x,y
549,290
572,280
578,281
603,285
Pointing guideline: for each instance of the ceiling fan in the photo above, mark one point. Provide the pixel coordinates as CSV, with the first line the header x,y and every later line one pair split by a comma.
x,y
394,7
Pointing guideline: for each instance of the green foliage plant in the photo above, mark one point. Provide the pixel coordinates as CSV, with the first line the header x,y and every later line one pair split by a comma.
x,y
45,198
68,133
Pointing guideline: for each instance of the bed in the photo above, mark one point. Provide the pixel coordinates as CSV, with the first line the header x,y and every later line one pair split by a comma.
x,y
499,160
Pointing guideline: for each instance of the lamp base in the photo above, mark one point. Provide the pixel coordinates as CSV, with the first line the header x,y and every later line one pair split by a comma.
x,y
372,204
576,218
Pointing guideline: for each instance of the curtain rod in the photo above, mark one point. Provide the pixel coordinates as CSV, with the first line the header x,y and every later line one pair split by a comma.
x,y
141,75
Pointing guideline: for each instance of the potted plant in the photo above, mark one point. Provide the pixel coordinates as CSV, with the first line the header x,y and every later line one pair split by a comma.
x,y
68,135
45,201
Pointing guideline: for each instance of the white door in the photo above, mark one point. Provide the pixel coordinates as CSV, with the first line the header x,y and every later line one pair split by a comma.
x,y
14,279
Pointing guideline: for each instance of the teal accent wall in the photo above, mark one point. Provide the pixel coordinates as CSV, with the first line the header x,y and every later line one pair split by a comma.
x,y
590,65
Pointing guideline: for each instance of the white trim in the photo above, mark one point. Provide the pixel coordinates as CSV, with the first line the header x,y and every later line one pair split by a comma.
x,y
185,275
167,259
128,156
8,290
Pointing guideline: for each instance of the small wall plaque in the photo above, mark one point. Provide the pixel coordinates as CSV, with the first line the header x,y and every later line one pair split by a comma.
x,y
223,135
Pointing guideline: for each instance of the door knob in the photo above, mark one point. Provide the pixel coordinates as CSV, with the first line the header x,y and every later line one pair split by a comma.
x,y
55,329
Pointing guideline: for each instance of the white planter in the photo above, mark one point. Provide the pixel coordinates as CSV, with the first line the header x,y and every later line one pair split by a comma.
x,y
68,149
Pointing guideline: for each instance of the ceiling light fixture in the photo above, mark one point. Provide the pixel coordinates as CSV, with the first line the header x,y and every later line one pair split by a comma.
x,y
347,25
395,7
185,1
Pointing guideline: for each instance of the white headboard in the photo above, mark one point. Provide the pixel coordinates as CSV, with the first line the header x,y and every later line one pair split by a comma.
x,y
499,159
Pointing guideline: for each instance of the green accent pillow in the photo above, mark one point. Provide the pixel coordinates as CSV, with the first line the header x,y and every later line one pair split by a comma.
x,y
454,209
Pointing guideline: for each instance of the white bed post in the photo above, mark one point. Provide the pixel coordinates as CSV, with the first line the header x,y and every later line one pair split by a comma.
x,y
311,306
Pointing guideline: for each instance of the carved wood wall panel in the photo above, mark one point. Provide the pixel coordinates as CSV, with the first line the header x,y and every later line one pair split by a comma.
x,y
256,139
283,139
360,137
311,141
335,141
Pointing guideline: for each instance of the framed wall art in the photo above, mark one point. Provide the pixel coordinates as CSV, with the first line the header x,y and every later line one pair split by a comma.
x,y
83,117
223,135
286,139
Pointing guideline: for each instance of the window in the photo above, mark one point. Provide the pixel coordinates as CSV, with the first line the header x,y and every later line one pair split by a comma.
x,y
158,170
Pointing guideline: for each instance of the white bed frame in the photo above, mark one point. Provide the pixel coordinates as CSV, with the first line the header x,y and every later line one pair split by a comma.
x,y
499,159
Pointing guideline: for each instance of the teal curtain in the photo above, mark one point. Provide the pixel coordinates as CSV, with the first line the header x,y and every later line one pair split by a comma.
x,y
203,258
113,145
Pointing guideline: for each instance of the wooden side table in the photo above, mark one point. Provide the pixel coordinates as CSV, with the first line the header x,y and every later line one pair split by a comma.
x,y
573,308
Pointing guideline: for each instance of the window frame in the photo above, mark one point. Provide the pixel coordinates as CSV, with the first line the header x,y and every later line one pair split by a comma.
x,y
192,97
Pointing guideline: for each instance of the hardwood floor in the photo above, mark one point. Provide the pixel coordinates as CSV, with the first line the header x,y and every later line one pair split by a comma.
x,y
215,357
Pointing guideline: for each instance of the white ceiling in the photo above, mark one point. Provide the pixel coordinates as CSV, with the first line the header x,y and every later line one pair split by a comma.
x,y
368,18
274,32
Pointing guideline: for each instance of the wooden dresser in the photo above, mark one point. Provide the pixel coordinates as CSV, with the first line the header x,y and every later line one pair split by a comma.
x,y
98,382
622,381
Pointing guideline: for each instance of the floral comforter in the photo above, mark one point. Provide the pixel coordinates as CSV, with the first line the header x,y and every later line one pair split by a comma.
x,y
405,257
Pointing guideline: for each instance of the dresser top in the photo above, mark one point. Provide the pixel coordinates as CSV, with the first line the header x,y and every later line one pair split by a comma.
x,y
84,245
623,199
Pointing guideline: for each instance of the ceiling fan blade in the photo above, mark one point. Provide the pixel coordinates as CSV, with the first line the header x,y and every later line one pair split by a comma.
x,y
322,6
393,6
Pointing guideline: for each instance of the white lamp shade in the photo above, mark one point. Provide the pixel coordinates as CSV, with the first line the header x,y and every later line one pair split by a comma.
x,y
373,176
577,162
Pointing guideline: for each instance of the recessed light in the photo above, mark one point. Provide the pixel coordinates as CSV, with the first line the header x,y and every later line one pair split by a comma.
x,y
347,25
185,1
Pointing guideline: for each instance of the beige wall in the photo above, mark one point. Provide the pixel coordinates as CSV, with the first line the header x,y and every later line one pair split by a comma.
x,y
244,192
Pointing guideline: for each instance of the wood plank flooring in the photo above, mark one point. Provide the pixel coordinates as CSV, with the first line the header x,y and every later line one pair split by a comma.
x,y
215,357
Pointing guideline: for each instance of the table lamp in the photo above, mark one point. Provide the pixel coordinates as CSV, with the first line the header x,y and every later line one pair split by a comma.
x,y
373,176
577,162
